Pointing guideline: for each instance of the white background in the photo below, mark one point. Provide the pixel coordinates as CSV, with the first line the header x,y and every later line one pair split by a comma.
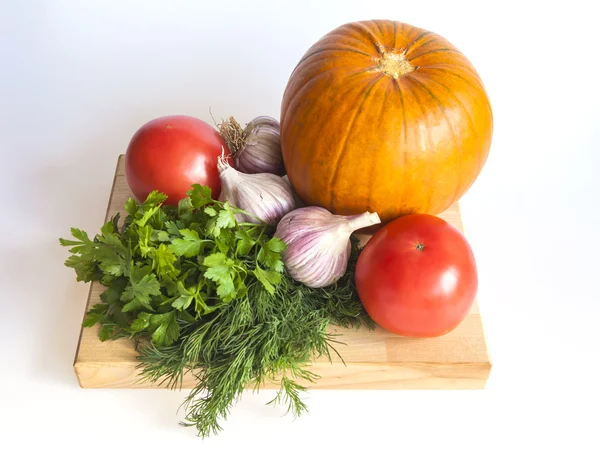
x,y
77,78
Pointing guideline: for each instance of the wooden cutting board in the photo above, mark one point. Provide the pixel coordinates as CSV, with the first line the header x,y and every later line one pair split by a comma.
x,y
374,359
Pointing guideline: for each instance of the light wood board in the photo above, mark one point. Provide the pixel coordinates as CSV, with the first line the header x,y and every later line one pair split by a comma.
x,y
374,359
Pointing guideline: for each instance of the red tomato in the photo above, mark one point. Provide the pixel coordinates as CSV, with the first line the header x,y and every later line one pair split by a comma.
x,y
417,276
169,154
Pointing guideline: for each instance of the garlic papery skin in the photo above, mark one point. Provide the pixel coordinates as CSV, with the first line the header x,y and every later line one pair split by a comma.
x,y
261,152
318,243
264,196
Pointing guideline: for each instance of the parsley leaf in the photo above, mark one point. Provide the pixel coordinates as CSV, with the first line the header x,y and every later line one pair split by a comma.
x,y
82,244
184,206
113,293
200,195
95,315
163,260
131,206
184,299
119,317
149,208
220,270
144,233
141,322
275,245
172,228
168,329
85,266
244,242
189,246
212,229
268,278
161,236
83,259
270,254
155,198
147,215
92,318
111,253
142,287
132,305
226,218
210,211
106,331
182,302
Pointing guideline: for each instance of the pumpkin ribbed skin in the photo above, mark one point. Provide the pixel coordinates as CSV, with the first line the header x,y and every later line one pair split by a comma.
x,y
358,137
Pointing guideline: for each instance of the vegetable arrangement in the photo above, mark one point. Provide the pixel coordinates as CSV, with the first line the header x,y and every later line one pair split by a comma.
x,y
219,270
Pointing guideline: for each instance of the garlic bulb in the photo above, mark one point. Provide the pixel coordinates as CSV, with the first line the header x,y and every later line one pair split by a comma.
x,y
318,243
261,151
263,195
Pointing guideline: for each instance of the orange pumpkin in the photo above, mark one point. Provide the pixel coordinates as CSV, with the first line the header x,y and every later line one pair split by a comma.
x,y
385,117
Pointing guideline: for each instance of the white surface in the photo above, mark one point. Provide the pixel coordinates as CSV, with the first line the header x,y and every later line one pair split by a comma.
x,y
78,78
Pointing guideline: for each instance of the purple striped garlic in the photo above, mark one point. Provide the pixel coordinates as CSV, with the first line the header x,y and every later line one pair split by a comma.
x,y
318,243
264,196
261,152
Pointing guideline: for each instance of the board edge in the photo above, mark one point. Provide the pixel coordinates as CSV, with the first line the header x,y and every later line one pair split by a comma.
x,y
89,295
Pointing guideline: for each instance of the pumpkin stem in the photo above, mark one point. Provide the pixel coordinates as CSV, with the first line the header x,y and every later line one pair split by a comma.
x,y
394,65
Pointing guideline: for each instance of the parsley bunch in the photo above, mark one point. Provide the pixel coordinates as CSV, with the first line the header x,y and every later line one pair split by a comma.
x,y
201,292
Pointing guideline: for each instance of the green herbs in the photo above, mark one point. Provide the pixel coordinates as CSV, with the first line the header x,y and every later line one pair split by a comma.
x,y
200,291
169,266
258,338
